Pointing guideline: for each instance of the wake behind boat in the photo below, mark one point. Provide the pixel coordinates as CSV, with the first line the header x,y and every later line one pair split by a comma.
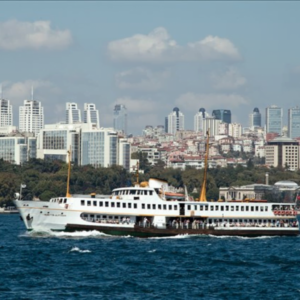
x,y
152,209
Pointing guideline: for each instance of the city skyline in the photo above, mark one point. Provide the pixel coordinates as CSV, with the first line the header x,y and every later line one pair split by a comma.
x,y
216,57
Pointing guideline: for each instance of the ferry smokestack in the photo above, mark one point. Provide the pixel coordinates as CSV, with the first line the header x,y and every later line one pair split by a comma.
x,y
267,178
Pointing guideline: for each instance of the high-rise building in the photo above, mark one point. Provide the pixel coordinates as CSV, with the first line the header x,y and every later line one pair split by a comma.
x,y
31,116
294,122
274,119
198,119
175,121
73,114
222,114
255,118
6,114
91,114
120,118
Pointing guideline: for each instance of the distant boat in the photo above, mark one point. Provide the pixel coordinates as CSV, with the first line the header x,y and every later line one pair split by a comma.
x,y
151,209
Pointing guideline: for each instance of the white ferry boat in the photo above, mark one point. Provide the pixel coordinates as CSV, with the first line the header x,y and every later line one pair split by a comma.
x,y
151,209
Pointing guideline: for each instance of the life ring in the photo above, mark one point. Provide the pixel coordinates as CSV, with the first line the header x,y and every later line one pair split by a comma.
x,y
66,205
275,212
282,213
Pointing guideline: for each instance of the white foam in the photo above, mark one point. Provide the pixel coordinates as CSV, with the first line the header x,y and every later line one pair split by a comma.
x,y
76,249
62,234
152,251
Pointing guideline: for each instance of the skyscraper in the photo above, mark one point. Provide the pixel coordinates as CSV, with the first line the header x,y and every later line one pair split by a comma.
x,y
274,119
175,121
294,122
198,119
91,114
222,114
120,118
6,114
255,118
73,114
31,116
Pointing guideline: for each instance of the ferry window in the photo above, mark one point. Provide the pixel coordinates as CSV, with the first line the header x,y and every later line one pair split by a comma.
x,y
95,203
211,207
222,208
153,206
237,208
113,204
261,208
134,205
88,203
189,207
132,192
170,207
150,193
217,207
252,208
247,208
106,204
175,207
82,202
110,217
256,208
159,206
206,207
124,205
146,192
227,207
118,204
65,201
266,208
143,206
100,203
196,207
201,207
242,208
232,208
165,206
148,206
103,217
129,205
117,217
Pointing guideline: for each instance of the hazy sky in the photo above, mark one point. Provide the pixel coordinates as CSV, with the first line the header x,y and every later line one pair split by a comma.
x,y
151,56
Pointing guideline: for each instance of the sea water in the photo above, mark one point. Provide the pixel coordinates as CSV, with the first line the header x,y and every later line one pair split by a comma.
x,y
92,265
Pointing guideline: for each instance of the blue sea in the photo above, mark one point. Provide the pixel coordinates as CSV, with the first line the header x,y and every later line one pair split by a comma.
x,y
96,266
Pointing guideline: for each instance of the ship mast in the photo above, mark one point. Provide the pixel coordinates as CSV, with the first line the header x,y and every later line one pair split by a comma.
x,y
137,174
69,172
202,197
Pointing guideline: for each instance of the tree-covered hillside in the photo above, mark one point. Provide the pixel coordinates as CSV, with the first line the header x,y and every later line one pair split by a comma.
x,y
46,179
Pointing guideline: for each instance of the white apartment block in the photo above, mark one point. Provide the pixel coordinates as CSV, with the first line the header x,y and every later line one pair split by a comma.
x,y
91,114
31,117
212,125
73,114
6,113
235,130
283,152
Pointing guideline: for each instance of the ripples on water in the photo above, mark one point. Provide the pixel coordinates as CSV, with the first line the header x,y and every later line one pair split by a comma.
x,y
96,266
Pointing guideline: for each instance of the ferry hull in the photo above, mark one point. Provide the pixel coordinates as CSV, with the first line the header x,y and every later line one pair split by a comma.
x,y
155,232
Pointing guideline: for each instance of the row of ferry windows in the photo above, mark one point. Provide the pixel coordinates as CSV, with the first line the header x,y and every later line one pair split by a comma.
x,y
133,192
128,205
227,208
